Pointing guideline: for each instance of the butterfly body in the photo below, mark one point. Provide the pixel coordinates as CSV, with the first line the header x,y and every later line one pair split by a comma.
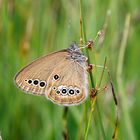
x,y
61,76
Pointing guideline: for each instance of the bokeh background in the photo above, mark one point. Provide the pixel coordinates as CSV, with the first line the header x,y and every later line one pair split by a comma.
x,y
30,29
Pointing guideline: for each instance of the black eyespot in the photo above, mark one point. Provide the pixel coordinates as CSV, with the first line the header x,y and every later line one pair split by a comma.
x,y
42,84
36,82
77,91
56,77
29,81
71,91
54,88
57,91
64,90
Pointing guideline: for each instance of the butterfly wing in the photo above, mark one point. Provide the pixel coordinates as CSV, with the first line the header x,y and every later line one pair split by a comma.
x,y
33,77
68,83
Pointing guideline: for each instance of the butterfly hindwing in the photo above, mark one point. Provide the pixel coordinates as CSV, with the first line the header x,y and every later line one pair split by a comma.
x,y
33,77
68,83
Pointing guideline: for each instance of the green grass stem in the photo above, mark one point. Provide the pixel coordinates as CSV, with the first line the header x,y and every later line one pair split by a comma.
x,y
91,76
120,82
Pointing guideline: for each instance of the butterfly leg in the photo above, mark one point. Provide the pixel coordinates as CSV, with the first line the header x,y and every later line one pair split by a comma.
x,y
97,90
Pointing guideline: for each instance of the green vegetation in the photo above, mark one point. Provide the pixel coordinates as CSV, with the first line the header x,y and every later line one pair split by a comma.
x,y
30,29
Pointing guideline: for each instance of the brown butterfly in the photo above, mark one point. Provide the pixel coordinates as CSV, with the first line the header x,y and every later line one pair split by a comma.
x,y
60,76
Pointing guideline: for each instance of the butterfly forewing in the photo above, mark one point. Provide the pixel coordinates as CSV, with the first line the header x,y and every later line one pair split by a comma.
x,y
33,77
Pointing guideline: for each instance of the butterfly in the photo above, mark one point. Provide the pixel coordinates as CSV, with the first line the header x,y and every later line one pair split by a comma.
x,y
60,76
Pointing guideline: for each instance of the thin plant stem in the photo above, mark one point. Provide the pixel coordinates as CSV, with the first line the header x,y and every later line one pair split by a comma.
x,y
0,136
102,72
84,39
100,121
90,116
81,43
120,82
65,131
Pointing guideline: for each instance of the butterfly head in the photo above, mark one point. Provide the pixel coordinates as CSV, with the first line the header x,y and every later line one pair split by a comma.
x,y
75,53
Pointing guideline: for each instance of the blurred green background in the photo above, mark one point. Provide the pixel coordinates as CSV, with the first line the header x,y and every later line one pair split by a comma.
x,y
30,29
